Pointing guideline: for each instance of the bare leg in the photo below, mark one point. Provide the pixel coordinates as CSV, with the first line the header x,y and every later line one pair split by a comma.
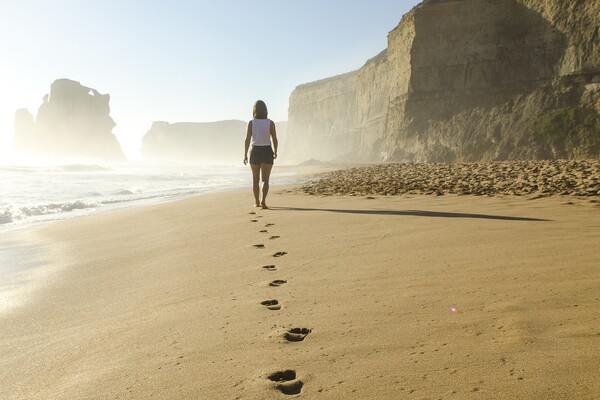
x,y
266,173
255,182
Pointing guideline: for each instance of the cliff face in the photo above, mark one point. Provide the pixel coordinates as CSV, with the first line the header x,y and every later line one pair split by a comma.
x,y
216,142
73,121
464,80
323,117
219,142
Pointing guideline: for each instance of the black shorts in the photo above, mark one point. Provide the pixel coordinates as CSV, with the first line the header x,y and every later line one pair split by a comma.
x,y
261,155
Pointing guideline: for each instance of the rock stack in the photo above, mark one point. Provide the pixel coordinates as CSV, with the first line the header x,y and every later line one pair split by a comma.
x,y
73,121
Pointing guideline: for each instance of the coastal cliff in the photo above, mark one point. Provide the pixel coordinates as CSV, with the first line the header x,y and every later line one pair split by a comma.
x,y
463,80
73,121
220,142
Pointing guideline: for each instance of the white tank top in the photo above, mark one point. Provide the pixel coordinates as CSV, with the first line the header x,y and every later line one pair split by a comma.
x,y
261,132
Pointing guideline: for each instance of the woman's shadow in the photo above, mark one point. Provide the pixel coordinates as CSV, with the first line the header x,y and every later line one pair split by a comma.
x,y
414,213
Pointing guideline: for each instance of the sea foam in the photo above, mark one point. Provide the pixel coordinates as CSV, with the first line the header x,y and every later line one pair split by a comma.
x,y
40,193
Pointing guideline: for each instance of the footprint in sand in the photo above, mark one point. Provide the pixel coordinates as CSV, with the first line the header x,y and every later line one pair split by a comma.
x,y
252,213
280,254
269,224
264,231
270,267
296,334
277,283
271,304
287,382
259,246
274,237
253,220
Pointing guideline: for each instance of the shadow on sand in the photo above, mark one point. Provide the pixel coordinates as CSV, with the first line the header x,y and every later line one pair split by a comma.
x,y
414,213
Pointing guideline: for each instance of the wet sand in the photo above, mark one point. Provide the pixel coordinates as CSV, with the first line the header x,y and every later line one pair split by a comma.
x,y
324,297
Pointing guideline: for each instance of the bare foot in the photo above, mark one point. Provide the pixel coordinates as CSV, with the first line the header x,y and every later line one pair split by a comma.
x,y
257,205
264,206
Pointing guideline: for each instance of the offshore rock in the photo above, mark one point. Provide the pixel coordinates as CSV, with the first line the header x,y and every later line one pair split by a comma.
x,y
463,80
73,121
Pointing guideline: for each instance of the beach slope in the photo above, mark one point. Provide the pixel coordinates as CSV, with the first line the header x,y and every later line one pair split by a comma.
x,y
386,297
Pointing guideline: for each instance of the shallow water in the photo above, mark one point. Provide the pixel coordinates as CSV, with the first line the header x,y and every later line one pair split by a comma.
x,y
31,194
34,194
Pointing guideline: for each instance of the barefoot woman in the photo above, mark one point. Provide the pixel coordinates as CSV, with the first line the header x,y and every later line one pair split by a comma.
x,y
259,134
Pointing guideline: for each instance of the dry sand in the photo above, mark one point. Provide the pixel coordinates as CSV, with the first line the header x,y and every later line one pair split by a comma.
x,y
518,178
397,297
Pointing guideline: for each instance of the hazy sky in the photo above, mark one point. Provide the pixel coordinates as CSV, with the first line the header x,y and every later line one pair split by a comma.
x,y
182,60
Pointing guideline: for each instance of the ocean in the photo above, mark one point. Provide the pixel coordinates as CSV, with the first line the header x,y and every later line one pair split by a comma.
x,y
33,194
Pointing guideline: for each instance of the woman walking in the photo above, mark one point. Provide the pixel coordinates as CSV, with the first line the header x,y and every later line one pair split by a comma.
x,y
260,131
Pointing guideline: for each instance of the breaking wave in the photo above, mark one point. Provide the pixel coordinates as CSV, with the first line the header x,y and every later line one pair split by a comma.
x,y
16,213
42,193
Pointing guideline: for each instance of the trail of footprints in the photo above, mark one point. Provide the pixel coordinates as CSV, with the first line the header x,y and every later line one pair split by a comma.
x,y
286,381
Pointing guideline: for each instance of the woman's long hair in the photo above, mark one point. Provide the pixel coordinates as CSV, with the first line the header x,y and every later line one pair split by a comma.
x,y
260,110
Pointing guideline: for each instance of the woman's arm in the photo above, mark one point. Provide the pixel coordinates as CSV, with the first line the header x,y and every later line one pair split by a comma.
x,y
247,143
274,137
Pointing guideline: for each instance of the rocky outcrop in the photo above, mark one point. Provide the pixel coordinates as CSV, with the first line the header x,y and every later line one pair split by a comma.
x,y
220,142
463,80
73,121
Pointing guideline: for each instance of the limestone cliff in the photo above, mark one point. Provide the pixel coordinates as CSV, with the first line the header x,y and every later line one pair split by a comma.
x,y
73,121
463,80
220,142
213,142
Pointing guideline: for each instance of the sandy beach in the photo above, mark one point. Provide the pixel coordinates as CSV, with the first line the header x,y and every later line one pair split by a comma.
x,y
411,296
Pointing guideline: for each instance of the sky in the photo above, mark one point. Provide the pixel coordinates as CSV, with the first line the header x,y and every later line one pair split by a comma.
x,y
182,60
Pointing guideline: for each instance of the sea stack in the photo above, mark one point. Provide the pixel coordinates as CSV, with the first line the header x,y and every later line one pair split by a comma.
x,y
73,122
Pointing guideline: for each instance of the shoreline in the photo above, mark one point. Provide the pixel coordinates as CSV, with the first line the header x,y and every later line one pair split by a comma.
x,y
438,296
20,256
544,178
22,268
284,175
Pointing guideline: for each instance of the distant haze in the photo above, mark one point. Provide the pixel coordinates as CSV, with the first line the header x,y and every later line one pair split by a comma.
x,y
182,61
